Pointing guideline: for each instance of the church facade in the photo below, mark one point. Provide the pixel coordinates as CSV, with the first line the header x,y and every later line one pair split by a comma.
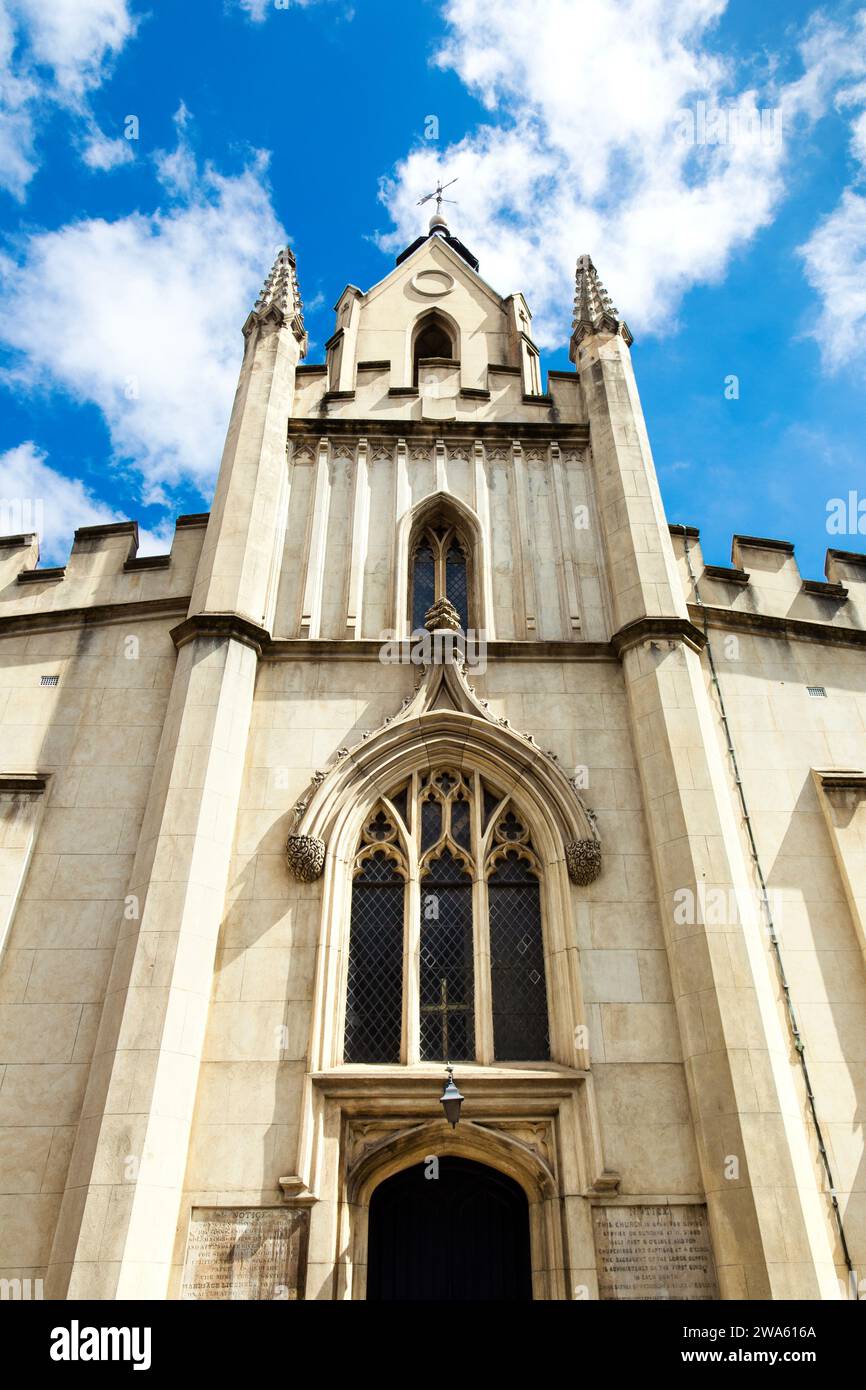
x,y
432,744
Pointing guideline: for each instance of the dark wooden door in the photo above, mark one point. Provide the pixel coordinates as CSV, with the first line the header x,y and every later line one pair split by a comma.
x,y
461,1236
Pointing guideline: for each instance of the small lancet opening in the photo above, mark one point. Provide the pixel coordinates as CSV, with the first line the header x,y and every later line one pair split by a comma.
x,y
433,340
439,568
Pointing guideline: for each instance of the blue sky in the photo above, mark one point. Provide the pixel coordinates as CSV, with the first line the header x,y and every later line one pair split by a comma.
x,y
127,266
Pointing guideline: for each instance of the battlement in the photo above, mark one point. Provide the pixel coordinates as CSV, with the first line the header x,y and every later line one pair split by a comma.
x,y
103,568
764,580
379,391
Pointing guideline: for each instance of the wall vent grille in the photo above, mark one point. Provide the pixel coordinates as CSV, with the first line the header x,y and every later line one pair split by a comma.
x,y
817,691
48,680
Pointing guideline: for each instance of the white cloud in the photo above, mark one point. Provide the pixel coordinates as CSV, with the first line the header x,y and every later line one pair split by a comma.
x,y
101,153
17,163
258,10
142,317
54,53
35,497
585,151
833,55
835,265
75,38
177,168
834,256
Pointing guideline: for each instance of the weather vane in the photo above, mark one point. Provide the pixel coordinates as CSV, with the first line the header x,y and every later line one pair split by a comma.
x,y
437,194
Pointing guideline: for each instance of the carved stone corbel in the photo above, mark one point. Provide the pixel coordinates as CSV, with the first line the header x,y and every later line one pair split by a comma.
x,y
305,855
583,858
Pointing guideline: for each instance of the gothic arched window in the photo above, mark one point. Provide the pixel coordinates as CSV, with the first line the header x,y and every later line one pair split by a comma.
x,y
446,906
433,340
439,568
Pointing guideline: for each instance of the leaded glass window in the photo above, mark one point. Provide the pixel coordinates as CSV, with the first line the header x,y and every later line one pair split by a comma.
x,y
455,580
439,568
423,582
447,968
520,1031
374,989
446,906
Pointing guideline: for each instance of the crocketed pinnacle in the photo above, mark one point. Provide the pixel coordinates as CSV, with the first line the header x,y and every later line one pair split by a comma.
x,y
281,296
594,309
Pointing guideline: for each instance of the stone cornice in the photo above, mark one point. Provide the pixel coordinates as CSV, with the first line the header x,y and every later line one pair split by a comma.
x,y
728,574
762,543
44,576
840,780
769,625
441,429
49,619
658,629
146,562
35,782
848,557
606,323
821,588
368,649
221,625
16,542
547,1081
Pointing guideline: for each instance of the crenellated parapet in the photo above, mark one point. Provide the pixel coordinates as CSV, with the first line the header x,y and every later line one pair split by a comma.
x,y
374,389
763,581
104,571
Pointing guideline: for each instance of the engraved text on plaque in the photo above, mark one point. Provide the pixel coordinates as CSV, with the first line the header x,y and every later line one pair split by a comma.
x,y
654,1252
246,1252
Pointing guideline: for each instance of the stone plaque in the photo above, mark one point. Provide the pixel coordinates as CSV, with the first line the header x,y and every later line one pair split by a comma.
x,y
246,1252
654,1252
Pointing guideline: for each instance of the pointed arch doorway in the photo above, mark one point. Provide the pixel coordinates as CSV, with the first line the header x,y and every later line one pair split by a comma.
x,y
462,1235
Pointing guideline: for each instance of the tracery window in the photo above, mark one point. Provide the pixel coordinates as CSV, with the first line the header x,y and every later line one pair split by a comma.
x,y
446,950
439,569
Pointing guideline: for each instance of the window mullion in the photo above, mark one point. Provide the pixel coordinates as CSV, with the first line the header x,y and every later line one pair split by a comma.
x,y
440,570
411,1049
481,938
483,994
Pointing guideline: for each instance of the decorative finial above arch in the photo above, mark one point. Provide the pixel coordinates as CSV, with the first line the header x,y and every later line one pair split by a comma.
x,y
442,617
444,719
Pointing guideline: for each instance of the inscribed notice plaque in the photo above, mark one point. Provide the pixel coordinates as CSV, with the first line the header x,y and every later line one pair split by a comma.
x,y
654,1252
246,1252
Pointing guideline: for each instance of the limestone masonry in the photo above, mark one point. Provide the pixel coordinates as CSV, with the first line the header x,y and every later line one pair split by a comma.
x,y
595,835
